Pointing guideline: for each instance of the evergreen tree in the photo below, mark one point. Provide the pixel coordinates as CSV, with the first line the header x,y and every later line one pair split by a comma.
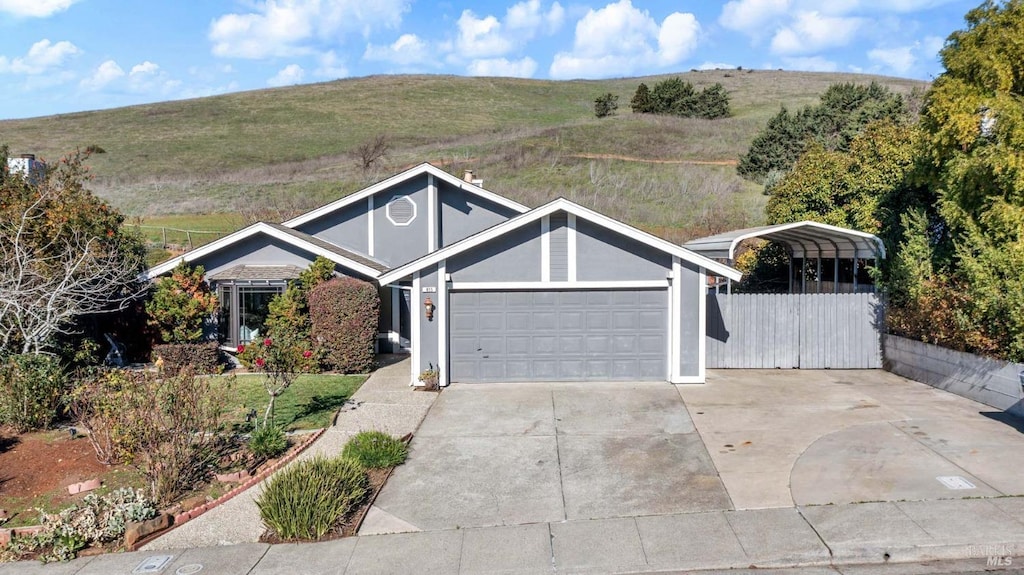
x,y
642,102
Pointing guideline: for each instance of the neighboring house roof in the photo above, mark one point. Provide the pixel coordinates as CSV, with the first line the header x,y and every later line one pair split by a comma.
x,y
560,204
424,168
354,261
257,272
804,239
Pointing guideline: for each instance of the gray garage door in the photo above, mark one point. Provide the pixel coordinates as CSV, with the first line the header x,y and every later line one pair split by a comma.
x,y
570,335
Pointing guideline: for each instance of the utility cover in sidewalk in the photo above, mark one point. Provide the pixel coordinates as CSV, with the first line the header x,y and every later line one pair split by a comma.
x,y
153,564
955,482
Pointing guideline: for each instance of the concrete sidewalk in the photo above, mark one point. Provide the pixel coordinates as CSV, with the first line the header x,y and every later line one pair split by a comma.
x,y
982,532
385,402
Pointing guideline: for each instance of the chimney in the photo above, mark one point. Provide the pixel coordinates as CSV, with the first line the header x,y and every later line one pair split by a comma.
x,y
468,176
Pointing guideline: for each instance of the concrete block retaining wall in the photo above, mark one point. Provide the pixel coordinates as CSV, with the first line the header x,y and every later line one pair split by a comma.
x,y
989,381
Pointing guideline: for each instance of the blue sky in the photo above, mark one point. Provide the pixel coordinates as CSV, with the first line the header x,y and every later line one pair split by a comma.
x,y
60,56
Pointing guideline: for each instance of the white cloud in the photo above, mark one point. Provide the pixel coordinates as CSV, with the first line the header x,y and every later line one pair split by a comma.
x,y
716,66
810,32
287,76
752,16
899,59
104,74
407,50
35,8
902,60
488,37
810,64
291,27
481,37
144,68
621,39
523,68
529,15
41,57
330,66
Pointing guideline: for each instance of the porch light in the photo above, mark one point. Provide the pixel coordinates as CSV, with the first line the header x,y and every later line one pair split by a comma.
x,y
428,307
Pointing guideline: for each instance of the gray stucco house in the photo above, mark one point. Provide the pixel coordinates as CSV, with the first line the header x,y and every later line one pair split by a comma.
x,y
480,287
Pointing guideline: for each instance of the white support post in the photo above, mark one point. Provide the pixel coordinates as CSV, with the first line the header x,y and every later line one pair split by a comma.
x,y
571,244
414,338
675,321
702,322
545,249
442,324
431,213
819,275
369,226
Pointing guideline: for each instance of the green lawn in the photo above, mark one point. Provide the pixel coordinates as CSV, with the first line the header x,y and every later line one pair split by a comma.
x,y
310,402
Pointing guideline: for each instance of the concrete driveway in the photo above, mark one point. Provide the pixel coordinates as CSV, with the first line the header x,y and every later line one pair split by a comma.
x,y
784,438
513,454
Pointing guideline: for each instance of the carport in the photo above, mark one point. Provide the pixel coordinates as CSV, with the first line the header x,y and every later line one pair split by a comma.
x,y
823,251
827,317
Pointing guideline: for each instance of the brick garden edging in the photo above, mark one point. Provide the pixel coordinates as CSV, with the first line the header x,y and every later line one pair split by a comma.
x,y
186,516
6,535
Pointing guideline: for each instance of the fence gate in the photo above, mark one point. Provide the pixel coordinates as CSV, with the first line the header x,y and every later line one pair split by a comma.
x,y
808,331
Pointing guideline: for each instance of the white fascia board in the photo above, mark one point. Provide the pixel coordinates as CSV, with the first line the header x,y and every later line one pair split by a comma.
x,y
546,210
417,171
245,233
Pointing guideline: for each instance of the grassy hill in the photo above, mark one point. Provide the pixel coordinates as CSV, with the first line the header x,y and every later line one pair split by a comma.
x,y
290,149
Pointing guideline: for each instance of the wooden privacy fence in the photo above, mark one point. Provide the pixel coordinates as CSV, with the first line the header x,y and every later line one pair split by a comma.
x,y
808,331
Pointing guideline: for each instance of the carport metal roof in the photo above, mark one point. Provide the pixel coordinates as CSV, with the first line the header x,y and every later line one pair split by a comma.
x,y
803,239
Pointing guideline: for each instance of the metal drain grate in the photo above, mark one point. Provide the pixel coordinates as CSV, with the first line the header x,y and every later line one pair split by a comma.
x,y
153,564
955,482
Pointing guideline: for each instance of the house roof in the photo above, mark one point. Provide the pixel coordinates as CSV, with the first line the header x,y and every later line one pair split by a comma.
x,y
356,262
804,239
257,272
560,204
424,168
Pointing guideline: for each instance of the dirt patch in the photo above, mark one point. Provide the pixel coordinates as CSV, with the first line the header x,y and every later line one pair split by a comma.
x,y
655,161
38,463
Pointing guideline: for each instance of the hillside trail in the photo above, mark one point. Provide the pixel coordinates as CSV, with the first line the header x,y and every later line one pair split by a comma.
x,y
653,161
588,156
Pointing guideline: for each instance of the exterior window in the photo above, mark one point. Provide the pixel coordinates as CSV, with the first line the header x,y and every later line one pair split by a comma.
x,y
244,309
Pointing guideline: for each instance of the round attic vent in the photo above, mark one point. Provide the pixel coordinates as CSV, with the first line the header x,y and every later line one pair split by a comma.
x,y
401,211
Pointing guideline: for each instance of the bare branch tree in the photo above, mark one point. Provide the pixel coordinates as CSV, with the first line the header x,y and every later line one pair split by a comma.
x,y
48,281
371,151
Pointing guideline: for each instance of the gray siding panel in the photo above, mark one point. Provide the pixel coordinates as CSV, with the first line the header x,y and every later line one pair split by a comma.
x,y
429,330
397,245
259,249
463,214
604,255
513,257
559,245
348,227
564,335
809,331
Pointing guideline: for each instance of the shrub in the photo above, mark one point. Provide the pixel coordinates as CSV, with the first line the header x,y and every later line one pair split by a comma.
x,y
605,105
164,425
267,442
344,314
200,357
98,519
280,360
181,305
310,498
31,388
375,450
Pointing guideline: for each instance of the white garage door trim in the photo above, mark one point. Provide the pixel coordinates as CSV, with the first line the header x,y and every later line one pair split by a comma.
x,y
530,366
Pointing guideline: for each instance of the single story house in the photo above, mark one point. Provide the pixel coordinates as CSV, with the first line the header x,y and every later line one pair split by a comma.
x,y
480,287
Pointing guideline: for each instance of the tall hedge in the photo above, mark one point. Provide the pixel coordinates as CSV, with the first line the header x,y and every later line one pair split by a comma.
x,y
343,314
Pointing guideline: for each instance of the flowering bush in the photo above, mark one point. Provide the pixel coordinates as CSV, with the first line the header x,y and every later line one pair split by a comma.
x,y
281,359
